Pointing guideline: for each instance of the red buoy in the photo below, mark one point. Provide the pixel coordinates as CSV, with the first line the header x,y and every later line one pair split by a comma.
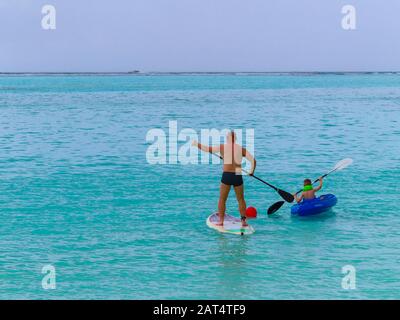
x,y
251,213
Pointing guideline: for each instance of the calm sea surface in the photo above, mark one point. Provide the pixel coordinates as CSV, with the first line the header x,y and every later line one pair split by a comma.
x,y
76,191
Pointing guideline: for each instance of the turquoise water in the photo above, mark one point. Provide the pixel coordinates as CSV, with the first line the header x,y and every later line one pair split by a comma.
x,y
77,192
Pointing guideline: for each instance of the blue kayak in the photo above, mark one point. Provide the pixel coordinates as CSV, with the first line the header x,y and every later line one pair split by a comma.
x,y
314,206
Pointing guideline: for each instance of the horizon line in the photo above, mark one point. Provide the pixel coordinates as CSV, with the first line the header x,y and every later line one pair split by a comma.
x,y
137,72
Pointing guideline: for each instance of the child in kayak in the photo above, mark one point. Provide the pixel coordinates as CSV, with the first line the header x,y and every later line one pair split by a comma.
x,y
308,190
232,154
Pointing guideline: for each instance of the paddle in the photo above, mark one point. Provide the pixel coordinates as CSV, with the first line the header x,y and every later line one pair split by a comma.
x,y
285,195
339,166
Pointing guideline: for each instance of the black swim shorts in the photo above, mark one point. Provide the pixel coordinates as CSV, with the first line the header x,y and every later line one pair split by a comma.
x,y
232,179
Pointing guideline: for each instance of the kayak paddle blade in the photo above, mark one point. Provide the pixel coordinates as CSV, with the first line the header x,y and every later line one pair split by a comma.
x,y
275,207
288,197
343,164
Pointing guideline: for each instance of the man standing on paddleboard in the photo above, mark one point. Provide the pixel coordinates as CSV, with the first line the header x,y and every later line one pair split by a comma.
x,y
232,155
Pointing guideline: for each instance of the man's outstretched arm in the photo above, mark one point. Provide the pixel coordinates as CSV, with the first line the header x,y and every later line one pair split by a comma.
x,y
206,148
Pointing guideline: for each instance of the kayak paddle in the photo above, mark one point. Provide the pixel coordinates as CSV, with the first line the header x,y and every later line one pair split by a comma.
x,y
339,166
288,197
275,207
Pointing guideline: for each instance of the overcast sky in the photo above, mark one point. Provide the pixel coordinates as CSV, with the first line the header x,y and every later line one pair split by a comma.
x,y
199,35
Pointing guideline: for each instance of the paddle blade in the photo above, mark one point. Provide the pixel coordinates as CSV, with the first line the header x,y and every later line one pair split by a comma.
x,y
288,197
343,164
275,207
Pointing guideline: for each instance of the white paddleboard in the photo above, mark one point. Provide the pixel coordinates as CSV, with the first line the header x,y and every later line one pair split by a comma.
x,y
231,225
